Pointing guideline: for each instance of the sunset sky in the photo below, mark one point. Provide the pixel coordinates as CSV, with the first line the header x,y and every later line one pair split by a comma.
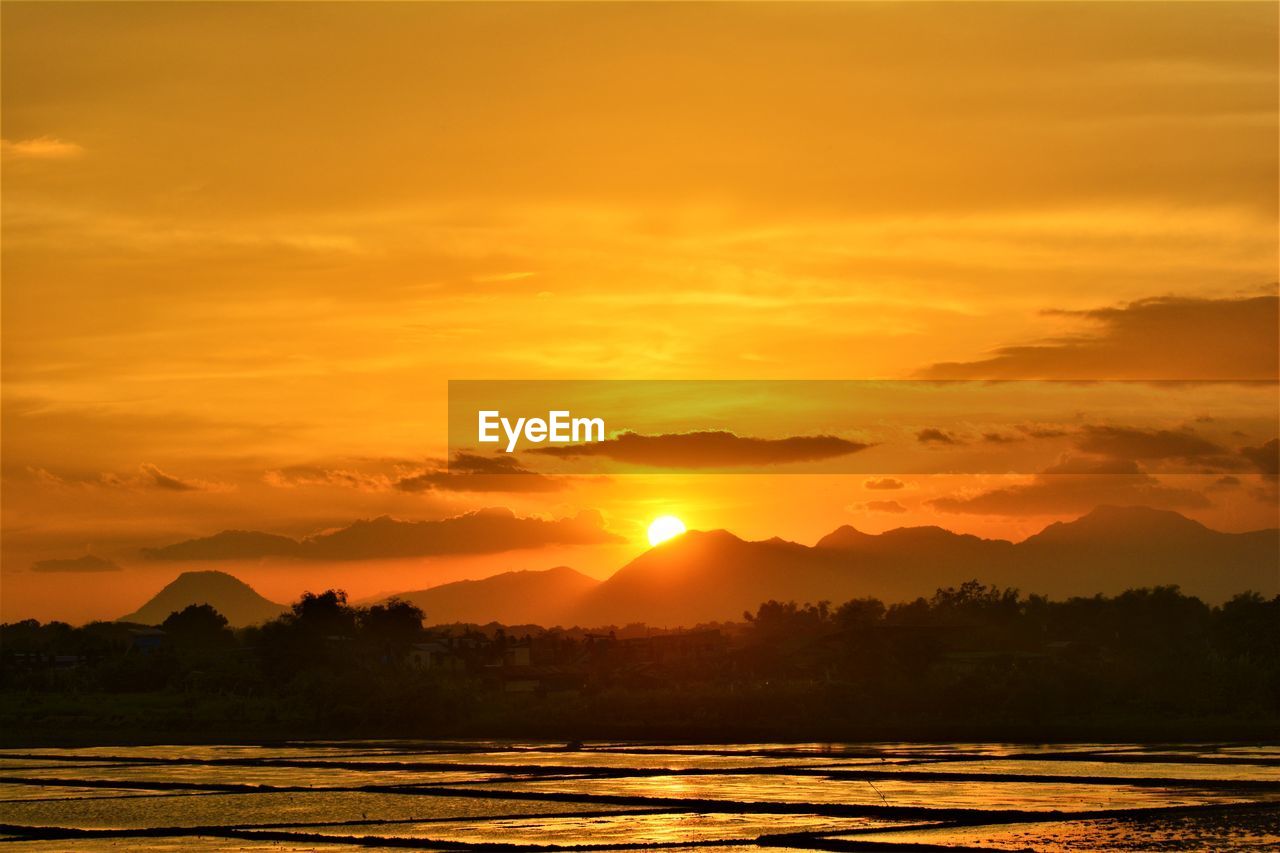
x,y
245,247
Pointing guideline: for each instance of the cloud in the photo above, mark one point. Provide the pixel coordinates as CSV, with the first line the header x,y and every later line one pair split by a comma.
x,y
1037,431
228,545
468,472
884,506
161,480
936,436
1129,443
40,148
148,476
1076,485
295,476
708,449
999,438
152,477
87,563
1176,338
1265,458
487,531
884,483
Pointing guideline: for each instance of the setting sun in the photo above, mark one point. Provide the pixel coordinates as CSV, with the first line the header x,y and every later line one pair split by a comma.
x,y
664,527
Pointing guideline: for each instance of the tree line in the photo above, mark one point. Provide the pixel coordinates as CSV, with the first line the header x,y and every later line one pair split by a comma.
x,y
970,658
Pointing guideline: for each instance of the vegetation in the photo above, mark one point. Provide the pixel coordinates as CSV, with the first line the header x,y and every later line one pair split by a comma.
x,y
972,661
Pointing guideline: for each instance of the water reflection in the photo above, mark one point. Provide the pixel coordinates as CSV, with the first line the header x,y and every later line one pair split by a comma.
x,y
346,795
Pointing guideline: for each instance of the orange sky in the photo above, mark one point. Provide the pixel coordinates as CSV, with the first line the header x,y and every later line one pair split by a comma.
x,y
242,239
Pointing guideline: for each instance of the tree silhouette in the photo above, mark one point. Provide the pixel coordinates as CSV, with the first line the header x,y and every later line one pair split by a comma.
x,y
391,628
197,625
326,614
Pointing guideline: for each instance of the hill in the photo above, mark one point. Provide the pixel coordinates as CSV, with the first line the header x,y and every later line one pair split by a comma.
x,y
230,596
541,597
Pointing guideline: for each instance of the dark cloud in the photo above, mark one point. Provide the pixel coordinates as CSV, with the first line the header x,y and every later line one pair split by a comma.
x,y
228,545
884,483
488,531
1076,485
708,449
885,506
1129,443
468,472
87,563
936,436
1162,338
1265,458
999,438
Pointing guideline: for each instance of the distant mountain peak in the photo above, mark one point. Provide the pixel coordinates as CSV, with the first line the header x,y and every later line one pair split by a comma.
x,y
844,536
925,531
1107,524
848,538
227,594
718,534
694,542
1132,514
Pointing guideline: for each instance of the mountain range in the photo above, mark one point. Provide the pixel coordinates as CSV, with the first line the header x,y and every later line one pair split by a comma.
x,y
715,575
705,576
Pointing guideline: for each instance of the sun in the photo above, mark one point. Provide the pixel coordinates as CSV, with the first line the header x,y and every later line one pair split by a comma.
x,y
664,527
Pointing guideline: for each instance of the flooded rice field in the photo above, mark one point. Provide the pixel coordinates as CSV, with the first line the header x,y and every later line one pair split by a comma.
x,y
461,795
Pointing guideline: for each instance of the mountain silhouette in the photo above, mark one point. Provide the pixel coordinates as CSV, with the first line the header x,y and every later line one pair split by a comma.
x,y
708,576
228,545
1116,547
541,597
484,531
704,576
230,596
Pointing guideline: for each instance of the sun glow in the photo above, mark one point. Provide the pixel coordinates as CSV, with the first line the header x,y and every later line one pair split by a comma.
x,y
664,527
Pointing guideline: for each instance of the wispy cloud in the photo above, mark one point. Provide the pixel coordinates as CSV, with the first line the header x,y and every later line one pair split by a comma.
x,y
884,506
468,472
152,477
40,148
884,483
87,563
